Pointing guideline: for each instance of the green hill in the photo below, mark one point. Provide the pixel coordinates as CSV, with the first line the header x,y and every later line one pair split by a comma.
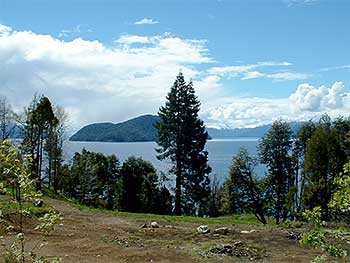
x,y
139,129
142,129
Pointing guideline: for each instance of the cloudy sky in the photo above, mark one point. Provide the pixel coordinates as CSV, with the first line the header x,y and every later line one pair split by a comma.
x,y
251,61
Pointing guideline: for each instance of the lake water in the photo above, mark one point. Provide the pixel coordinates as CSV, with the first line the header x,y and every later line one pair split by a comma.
x,y
220,152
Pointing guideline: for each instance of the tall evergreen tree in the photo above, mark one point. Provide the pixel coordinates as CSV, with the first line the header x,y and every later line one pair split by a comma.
x,y
182,138
274,150
39,122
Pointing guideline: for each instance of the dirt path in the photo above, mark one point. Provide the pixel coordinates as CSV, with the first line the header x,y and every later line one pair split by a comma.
x,y
86,236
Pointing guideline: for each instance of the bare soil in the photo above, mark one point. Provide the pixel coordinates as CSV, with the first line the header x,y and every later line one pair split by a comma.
x,y
86,236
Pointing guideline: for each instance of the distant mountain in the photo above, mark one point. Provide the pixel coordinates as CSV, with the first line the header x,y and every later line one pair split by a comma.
x,y
139,129
15,131
142,129
247,132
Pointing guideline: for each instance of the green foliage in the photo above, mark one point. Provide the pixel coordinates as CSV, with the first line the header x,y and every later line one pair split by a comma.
x,y
43,129
14,171
48,222
340,201
275,152
92,178
138,188
215,198
314,216
303,136
243,188
335,242
181,139
324,160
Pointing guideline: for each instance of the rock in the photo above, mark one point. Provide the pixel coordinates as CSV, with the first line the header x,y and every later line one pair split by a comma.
x,y
154,224
248,232
143,226
39,203
238,249
293,235
203,229
223,249
221,231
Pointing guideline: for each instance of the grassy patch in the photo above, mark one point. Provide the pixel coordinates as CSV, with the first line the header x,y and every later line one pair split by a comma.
x,y
9,207
235,219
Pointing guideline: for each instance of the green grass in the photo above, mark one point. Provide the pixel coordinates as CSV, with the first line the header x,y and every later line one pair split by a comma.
x,y
11,207
235,219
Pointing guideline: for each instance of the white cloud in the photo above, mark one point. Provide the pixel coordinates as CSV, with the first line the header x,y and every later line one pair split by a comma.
x,y
68,32
245,72
4,30
336,68
235,70
306,103
95,82
280,76
74,31
252,75
310,98
301,2
132,39
146,21
98,83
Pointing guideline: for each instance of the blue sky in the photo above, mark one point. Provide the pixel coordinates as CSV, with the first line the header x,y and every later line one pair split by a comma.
x,y
251,61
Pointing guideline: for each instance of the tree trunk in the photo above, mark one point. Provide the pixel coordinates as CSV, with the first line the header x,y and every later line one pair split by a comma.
x,y
177,210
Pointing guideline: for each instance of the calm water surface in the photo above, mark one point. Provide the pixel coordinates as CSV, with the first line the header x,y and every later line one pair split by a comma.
x,y
220,152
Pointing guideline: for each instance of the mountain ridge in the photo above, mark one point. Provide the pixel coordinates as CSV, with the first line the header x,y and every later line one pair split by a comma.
x,y
142,129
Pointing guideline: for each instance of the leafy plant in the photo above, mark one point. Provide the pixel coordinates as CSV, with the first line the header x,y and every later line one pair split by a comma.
x,y
17,177
334,242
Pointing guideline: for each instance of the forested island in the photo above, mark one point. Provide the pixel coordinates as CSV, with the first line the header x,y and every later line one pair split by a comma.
x,y
142,129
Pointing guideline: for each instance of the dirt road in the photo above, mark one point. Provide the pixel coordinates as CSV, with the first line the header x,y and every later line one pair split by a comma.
x,y
86,236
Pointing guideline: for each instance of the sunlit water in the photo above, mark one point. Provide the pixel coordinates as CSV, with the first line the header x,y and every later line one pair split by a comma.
x,y
220,152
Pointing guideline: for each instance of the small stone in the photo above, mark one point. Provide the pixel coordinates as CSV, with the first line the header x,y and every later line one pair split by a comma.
x,y
154,225
143,226
221,231
203,229
39,203
248,232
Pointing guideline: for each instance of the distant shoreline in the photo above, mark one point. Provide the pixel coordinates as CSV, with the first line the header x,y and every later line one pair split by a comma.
x,y
239,139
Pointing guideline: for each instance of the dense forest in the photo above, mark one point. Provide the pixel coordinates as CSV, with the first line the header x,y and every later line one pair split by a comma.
x,y
307,169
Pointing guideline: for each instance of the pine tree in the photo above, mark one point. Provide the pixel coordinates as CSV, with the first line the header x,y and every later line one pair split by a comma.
x,y
182,138
40,120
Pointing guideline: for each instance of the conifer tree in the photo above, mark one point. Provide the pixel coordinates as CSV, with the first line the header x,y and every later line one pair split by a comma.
x,y
181,139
